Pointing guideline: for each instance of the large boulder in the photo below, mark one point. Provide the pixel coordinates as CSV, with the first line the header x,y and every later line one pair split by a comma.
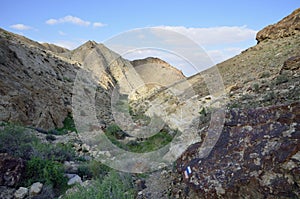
x,y
288,26
11,170
257,155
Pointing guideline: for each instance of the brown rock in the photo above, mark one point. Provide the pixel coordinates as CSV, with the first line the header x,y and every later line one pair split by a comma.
x,y
288,26
292,64
256,156
11,170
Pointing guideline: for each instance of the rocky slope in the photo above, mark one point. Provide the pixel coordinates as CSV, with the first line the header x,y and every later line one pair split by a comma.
x,y
37,79
35,84
257,153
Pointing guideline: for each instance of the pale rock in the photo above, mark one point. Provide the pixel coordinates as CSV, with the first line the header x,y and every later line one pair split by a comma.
x,y
21,193
35,189
74,180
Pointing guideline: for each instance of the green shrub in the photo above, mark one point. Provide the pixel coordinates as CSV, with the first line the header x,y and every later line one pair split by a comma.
x,y
17,141
59,152
93,169
114,185
255,87
69,125
152,143
269,96
115,131
264,74
46,171
283,78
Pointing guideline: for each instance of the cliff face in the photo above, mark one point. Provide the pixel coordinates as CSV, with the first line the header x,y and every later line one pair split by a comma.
x,y
288,26
35,85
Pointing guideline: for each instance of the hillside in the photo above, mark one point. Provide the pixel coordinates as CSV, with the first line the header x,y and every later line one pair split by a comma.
x,y
231,131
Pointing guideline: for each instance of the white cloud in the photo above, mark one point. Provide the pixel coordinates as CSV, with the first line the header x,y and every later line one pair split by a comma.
x,y
20,27
215,35
62,33
68,19
98,24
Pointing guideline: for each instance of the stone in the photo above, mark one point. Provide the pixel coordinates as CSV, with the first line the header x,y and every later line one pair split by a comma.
x,y
70,175
21,193
140,184
288,26
6,192
11,169
35,189
74,180
254,161
71,167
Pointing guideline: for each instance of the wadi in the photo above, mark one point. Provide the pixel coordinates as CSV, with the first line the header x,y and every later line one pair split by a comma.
x,y
88,123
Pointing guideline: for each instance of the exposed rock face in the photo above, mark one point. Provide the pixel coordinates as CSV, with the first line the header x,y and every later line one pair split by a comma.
x,y
156,70
257,155
35,85
288,26
11,170
54,48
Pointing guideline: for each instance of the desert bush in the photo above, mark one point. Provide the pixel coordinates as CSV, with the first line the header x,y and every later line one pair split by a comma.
x,y
46,171
114,185
17,141
264,74
282,78
93,169
59,152
255,87
152,143
69,125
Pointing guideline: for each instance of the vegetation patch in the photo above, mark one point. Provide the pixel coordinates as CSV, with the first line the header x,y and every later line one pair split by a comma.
x,y
69,125
152,143
114,185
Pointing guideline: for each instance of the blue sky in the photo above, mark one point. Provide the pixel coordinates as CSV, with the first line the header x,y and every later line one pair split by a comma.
x,y
222,28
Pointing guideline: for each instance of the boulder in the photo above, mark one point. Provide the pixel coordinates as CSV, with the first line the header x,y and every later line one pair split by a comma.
x,y
35,189
21,193
257,155
11,169
74,180
6,192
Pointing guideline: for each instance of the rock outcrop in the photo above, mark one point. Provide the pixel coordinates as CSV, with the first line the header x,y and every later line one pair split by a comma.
x,y
288,26
54,48
256,156
156,70
35,85
11,170
257,153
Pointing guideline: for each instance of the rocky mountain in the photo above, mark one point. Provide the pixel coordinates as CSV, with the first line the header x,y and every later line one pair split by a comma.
x,y
237,123
37,79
